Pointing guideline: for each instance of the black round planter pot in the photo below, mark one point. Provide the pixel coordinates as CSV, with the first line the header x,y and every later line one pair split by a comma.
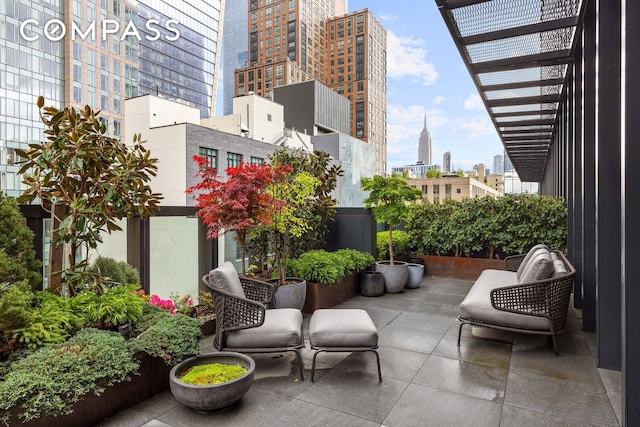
x,y
371,284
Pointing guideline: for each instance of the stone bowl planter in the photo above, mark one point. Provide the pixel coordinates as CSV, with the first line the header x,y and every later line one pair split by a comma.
x,y
416,273
213,396
395,276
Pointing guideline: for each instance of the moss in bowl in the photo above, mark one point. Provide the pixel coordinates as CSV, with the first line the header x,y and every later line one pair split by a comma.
x,y
212,373
208,397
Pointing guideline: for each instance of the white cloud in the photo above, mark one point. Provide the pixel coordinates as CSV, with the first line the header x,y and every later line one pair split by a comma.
x,y
406,57
474,102
439,100
472,128
388,18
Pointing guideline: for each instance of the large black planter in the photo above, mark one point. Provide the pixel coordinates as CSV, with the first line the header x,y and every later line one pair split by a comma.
x,y
371,284
213,396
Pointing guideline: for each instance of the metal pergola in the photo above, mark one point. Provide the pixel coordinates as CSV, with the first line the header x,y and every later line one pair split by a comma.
x,y
517,52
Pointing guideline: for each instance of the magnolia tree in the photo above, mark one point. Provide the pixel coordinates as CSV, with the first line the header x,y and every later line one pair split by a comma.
x,y
87,181
239,203
389,199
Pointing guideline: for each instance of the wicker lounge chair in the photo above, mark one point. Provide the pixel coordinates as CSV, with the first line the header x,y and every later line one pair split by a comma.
x,y
243,324
531,295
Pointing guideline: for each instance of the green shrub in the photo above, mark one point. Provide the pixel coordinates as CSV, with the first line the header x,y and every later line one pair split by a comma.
x,y
35,319
359,260
488,227
115,307
321,266
401,243
17,255
166,335
115,272
50,380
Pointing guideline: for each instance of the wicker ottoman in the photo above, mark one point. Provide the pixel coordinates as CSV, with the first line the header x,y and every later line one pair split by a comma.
x,y
338,330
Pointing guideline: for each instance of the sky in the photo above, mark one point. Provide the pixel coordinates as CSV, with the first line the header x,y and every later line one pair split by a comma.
x,y
426,73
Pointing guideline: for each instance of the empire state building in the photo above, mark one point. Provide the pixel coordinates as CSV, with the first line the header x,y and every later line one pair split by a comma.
x,y
424,145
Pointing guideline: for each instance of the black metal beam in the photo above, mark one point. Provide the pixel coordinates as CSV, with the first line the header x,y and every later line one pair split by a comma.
x,y
523,100
532,122
538,27
516,131
525,113
523,84
455,4
556,57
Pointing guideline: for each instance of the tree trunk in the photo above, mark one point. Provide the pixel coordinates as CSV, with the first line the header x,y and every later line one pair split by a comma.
x,y
390,245
56,252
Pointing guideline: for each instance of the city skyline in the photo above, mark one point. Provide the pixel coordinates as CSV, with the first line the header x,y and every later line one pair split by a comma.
x,y
425,73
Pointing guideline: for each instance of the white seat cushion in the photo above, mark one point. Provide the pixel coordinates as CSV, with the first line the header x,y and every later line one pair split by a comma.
x,y
342,328
477,303
282,327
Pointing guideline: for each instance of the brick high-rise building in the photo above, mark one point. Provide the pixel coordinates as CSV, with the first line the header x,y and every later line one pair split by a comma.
x,y
294,41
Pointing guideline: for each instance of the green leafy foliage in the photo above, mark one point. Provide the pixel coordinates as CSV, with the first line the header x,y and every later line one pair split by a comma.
x,y
115,307
328,267
166,335
484,226
17,255
114,272
33,320
238,202
86,179
389,198
50,380
401,243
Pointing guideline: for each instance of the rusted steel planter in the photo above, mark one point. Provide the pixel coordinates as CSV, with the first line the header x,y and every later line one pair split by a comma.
x,y
458,267
320,295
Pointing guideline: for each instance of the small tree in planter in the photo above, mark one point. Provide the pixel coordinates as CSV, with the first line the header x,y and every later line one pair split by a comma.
x,y
389,199
239,203
87,181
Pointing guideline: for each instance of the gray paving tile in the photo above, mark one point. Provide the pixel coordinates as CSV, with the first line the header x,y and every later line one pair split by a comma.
x,y
427,305
481,352
409,339
612,381
251,410
471,379
565,386
298,412
395,363
519,417
423,322
143,412
382,316
358,394
422,406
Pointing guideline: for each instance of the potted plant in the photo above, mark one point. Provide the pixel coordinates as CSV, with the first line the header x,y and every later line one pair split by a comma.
x,y
212,381
238,203
286,222
332,277
389,198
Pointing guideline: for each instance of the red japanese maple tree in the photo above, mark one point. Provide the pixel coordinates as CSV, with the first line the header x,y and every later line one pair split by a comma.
x,y
238,203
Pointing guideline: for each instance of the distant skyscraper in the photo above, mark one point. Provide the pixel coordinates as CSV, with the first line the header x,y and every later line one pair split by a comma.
x,y
424,145
234,48
102,62
498,164
184,69
296,41
446,162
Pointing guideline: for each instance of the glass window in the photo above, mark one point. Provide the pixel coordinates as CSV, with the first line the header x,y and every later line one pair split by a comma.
x,y
257,160
211,155
233,159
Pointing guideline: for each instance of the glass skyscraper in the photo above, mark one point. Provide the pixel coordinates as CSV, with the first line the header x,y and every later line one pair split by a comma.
x,y
234,48
99,52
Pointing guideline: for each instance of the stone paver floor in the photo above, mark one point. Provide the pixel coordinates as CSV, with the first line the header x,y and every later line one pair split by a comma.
x,y
493,379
